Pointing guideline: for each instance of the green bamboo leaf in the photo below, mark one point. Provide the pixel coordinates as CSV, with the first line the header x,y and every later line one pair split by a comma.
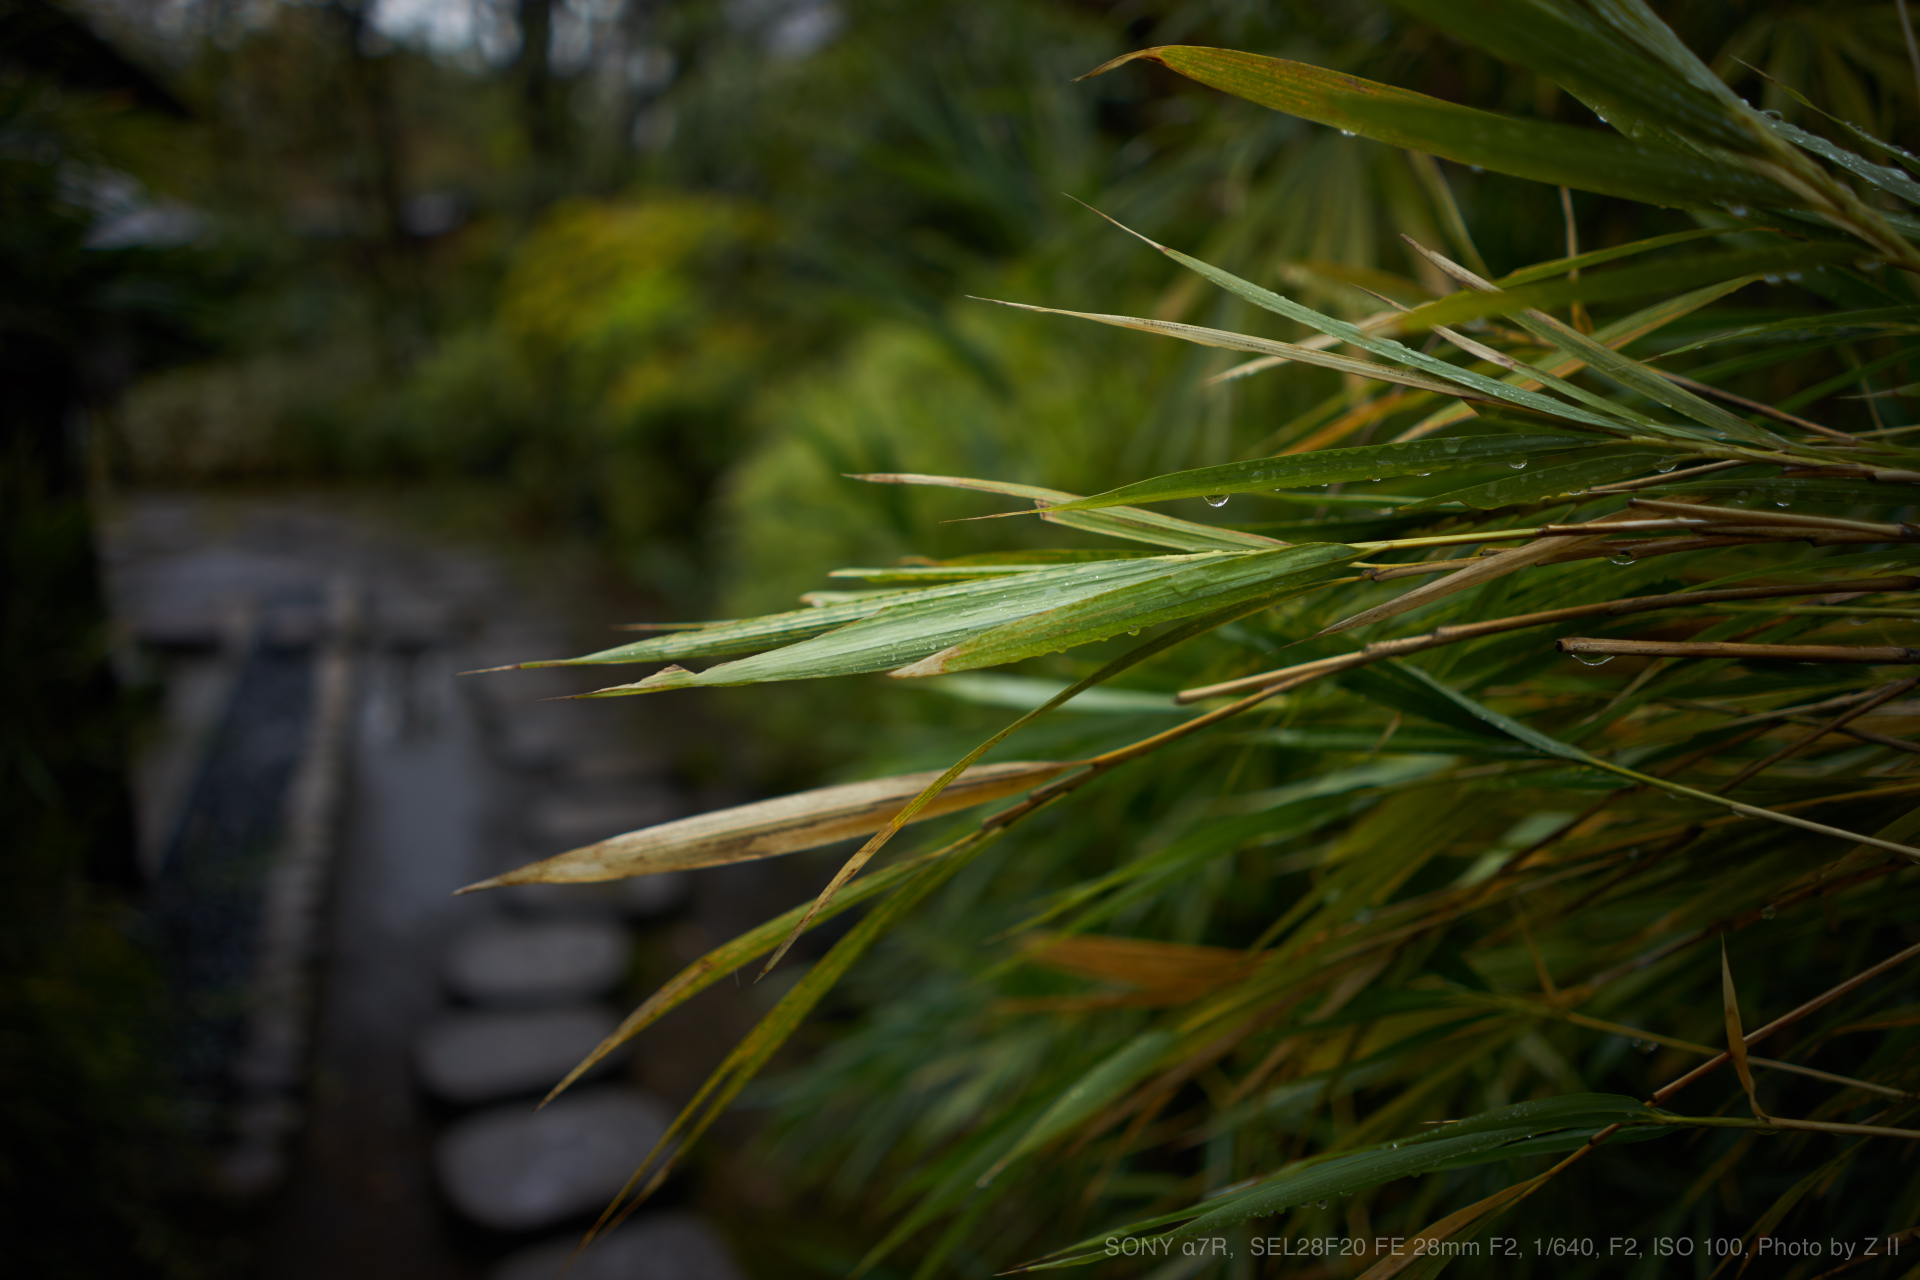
x,y
1127,523
1618,58
734,954
1598,413
1559,155
1606,360
1329,466
1595,257
1477,1140
1684,272
1194,588
1873,320
1893,181
1552,482
1221,338
1024,693
1118,1072
1547,745
925,622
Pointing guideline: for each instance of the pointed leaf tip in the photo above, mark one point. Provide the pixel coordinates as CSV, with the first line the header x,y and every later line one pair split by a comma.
x,y
1151,55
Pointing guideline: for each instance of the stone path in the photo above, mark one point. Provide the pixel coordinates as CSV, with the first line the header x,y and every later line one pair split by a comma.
x,y
398,1137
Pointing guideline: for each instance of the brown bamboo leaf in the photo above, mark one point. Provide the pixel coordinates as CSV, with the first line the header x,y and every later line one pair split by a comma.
x,y
768,828
1420,1247
1736,1035
1141,962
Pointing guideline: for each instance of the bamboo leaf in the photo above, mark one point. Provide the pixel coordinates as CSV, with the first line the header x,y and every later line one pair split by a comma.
x,y
1192,589
1603,359
1617,57
1736,1036
1128,523
1596,257
1664,277
1544,485
1093,1091
1558,155
734,954
1478,1140
926,622
1262,346
1329,466
769,828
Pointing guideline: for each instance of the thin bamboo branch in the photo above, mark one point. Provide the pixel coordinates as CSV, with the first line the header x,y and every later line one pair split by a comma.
x,y
1778,415
1744,516
1792,749
1875,655
1447,635
1786,1020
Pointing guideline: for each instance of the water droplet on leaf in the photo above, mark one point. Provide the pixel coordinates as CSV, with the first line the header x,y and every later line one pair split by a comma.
x,y
1624,558
1216,499
1768,912
1518,464
1594,659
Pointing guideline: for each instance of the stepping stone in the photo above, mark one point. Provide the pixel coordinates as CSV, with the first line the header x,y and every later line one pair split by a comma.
x,y
516,1169
485,1057
664,1246
538,962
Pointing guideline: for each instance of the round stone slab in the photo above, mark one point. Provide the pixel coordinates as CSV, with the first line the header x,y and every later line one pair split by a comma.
x,y
486,1056
538,962
517,1169
664,1246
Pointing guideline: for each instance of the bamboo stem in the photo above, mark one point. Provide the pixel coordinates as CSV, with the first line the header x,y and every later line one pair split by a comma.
x,y
1737,515
1875,655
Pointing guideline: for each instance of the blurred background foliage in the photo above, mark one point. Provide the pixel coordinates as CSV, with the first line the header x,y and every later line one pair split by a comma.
x,y
653,275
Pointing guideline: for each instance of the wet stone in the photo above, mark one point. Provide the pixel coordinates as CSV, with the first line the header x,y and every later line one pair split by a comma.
x,y
487,1056
665,1246
537,962
517,1169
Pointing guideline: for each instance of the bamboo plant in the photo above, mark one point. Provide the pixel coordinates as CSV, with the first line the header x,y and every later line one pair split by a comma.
x,y
1424,874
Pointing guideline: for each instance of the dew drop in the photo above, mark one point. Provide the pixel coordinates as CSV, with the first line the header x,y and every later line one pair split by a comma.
x,y
1133,631
1636,1042
1793,275
1476,168
1423,473
1322,1204
1348,133
1771,277
1624,558
1594,659
1768,912
1667,464
1648,1046
1374,479
1216,499
1518,464
1737,210
1868,264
